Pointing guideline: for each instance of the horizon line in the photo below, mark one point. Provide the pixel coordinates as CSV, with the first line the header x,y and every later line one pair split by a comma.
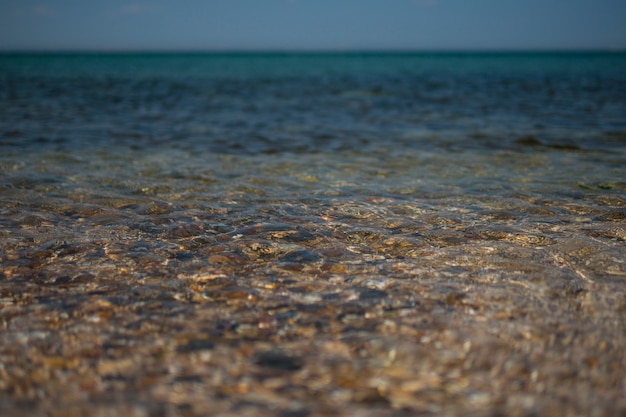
x,y
301,50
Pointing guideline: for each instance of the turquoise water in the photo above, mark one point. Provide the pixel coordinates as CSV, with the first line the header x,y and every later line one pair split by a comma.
x,y
312,102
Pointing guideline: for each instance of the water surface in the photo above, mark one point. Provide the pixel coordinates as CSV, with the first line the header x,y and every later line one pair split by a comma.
x,y
345,234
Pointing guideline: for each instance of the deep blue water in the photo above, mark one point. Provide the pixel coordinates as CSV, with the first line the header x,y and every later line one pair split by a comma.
x,y
238,103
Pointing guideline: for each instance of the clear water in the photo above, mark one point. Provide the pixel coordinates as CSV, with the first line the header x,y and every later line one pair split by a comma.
x,y
245,196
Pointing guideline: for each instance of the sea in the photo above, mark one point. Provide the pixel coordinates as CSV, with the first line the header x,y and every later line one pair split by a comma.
x,y
243,196
459,121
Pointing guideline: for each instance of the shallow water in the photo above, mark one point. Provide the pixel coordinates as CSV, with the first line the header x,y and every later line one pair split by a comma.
x,y
351,234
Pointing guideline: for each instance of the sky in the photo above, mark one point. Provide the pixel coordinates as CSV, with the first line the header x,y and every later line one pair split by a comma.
x,y
104,25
